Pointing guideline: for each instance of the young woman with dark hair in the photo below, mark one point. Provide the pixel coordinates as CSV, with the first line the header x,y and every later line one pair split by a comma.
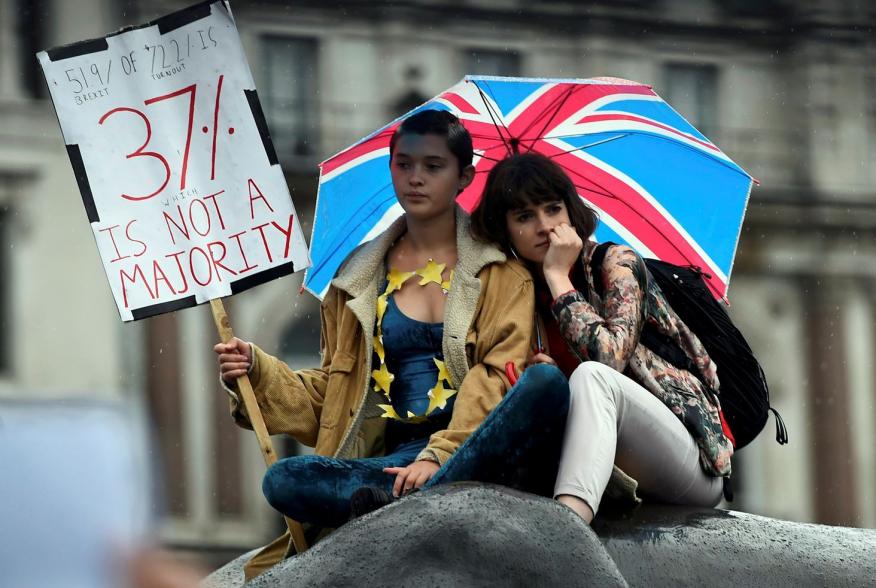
x,y
628,407
417,327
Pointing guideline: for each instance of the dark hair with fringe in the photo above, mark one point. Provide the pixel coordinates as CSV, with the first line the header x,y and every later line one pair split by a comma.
x,y
518,181
443,124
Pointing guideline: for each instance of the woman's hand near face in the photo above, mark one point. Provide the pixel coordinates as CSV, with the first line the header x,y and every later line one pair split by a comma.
x,y
563,252
540,357
412,476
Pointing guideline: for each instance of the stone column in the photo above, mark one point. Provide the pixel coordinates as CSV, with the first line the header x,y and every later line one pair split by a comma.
x,y
8,51
164,397
832,453
830,57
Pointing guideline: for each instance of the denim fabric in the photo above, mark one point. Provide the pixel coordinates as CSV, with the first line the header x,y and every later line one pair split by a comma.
x,y
520,442
517,445
411,349
315,489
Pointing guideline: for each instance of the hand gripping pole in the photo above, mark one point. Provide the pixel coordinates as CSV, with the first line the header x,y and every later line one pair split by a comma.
x,y
223,326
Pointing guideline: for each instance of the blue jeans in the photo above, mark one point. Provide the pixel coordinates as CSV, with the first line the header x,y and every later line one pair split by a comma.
x,y
518,445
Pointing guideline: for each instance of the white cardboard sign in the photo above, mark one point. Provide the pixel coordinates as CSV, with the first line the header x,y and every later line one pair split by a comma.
x,y
174,161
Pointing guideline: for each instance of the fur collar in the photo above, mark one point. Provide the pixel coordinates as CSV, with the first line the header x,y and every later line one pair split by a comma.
x,y
360,277
359,271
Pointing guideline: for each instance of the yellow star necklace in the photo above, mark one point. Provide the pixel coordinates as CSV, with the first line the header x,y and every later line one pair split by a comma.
x,y
382,377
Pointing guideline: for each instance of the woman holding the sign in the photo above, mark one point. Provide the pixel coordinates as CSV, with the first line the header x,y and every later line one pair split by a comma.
x,y
417,328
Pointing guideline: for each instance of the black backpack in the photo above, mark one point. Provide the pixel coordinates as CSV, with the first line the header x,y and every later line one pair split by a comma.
x,y
744,394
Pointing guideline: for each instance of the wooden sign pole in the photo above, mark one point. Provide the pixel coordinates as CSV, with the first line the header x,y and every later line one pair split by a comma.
x,y
223,326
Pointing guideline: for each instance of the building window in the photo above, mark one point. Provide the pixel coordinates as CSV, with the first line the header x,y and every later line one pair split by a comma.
x,y
412,97
489,62
299,348
30,18
299,343
290,94
165,400
6,279
692,90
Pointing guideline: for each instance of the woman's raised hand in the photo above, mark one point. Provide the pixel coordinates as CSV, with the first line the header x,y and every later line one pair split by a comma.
x,y
563,251
235,359
539,357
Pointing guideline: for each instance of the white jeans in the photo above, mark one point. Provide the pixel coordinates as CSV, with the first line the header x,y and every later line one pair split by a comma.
x,y
614,420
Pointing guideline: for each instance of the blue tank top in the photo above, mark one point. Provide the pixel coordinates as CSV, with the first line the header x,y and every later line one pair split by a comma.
x,y
411,348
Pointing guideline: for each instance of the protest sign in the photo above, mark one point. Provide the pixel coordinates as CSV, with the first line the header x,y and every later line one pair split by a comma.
x,y
177,171
174,161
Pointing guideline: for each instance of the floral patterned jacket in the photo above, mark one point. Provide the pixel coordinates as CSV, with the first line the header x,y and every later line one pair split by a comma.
x,y
607,330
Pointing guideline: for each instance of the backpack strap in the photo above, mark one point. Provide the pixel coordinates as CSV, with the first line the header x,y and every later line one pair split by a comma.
x,y
781,429
649,337
596,265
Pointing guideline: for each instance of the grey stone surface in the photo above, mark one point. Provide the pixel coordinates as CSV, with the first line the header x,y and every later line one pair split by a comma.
x,y
687,546
231,574
455,535
480,535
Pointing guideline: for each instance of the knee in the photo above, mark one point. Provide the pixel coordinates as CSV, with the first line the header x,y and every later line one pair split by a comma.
x,y
272,483
545,384
543,375
591,377
282,478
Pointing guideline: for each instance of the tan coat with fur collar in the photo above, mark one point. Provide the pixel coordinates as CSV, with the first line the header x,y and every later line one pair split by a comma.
x,y
487,322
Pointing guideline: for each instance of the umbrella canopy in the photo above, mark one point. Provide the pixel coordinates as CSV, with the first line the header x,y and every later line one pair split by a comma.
x,y
658,184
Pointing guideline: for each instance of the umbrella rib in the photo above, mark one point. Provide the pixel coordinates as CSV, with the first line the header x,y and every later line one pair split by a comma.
x,y
493,118
488,147
491,109
575,135
562,101
583,147
670,139
591,190
488,158
644,218
609,194
542,114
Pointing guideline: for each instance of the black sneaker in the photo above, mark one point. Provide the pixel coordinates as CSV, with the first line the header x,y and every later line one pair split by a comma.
x,y
368,499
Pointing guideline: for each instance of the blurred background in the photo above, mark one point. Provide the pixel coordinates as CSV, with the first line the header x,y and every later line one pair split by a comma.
x,y
785,88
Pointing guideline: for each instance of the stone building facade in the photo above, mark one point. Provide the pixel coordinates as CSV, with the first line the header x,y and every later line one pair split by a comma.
x,y
785,88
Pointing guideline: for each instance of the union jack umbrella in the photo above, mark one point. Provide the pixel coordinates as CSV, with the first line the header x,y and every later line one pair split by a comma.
x,y
656,182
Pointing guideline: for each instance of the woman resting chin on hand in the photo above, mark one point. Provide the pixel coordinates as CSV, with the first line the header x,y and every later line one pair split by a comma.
x,y
658,423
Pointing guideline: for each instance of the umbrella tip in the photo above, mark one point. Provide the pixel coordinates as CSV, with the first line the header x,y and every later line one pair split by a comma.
x,y
301,290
